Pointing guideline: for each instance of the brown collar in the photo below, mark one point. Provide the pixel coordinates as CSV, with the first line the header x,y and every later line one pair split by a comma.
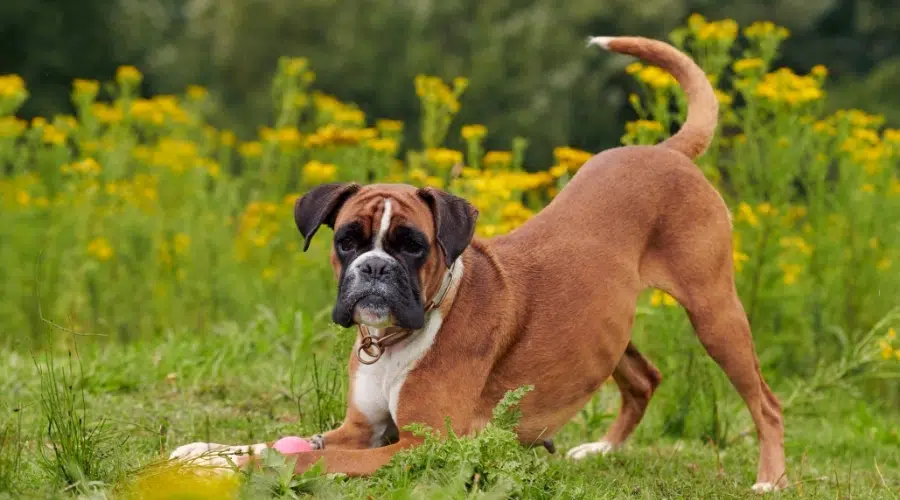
x,y
374,346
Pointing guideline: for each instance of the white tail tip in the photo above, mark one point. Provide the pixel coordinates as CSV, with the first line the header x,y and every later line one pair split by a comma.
x,y
602,41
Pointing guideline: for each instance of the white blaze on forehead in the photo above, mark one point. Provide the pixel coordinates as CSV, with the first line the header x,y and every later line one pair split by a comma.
x,y
384,226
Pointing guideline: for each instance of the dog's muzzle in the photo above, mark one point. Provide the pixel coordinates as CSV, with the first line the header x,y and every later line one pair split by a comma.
x,y
376,291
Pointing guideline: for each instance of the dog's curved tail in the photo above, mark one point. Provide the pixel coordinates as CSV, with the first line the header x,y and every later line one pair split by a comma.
x,y
703,107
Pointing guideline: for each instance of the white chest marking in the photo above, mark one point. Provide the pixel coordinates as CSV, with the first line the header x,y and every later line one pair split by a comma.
x,y
376,387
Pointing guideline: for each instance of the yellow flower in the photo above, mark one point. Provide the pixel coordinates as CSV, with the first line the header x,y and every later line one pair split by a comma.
x,y
12,86
748,65
23,198
867,188
791,272
389,126
634,68
52,135
765,29
725,30
738,258
746,214
316,172
294,65
181,243
891,334
883,264
473,132
128,75
443,158
106,113
288,138
11,127
819,71
696,21
196,92
86,89
350,116
100,249
656,78
385,145
559,170
571,158
659,297
723,98
269,273
497,159
227,138
251,149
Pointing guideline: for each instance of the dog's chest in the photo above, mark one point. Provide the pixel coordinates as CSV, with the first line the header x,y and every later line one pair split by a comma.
x,y
376,387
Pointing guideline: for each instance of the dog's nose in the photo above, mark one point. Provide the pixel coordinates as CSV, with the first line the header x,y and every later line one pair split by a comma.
x,y
374,268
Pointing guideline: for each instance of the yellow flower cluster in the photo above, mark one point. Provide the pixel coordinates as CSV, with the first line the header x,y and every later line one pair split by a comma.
x,y
11,127
87,166
158,109
433,89
886,347
473,132
316,172
100,249
497,159
443,158
128,76
748,65
651,75
257,226
766,29
725,30
287,138
332,135
12,86
785,87
660,298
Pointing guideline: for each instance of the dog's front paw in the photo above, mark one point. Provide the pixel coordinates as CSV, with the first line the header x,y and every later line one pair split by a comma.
x,y
216,457
588,449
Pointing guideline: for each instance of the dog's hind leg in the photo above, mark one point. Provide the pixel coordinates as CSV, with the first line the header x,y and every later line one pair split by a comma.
x,y
698,271
637,379
721,324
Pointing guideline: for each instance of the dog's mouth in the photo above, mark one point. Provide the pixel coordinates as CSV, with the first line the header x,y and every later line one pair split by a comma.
x,y
374,311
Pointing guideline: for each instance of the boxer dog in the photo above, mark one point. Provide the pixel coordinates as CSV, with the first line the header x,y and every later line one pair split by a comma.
x,y
448,324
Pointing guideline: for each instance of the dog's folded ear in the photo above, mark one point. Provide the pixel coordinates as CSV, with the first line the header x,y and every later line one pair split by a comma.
x,y
320,206
454,221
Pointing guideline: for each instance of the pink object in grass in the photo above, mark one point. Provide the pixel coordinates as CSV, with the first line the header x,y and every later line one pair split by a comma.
x,y
292,444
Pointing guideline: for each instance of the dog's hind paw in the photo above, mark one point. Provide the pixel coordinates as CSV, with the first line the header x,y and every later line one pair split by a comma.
x,y
588,449
764,488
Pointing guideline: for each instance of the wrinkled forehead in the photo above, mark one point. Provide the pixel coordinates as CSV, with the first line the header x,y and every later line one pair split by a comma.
x,y
373,205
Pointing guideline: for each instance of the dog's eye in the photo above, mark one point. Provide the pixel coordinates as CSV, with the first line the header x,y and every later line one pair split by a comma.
x,y
411,247
346,244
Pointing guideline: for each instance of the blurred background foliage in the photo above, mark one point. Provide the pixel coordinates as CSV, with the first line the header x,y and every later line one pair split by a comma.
x,y
529,73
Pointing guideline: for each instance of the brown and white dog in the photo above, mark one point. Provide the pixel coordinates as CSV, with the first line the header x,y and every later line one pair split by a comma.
x,y
449,323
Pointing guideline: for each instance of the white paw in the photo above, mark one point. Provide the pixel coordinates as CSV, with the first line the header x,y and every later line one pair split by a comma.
x,y
218,457
763,488
587,449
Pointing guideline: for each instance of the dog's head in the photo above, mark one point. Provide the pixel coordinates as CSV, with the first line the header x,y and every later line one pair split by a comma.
x,y
392,245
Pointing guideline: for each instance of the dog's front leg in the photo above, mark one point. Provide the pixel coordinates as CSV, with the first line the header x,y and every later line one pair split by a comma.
x,y
354,463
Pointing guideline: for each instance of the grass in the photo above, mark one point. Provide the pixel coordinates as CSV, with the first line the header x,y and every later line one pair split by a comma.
x,y
118,410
